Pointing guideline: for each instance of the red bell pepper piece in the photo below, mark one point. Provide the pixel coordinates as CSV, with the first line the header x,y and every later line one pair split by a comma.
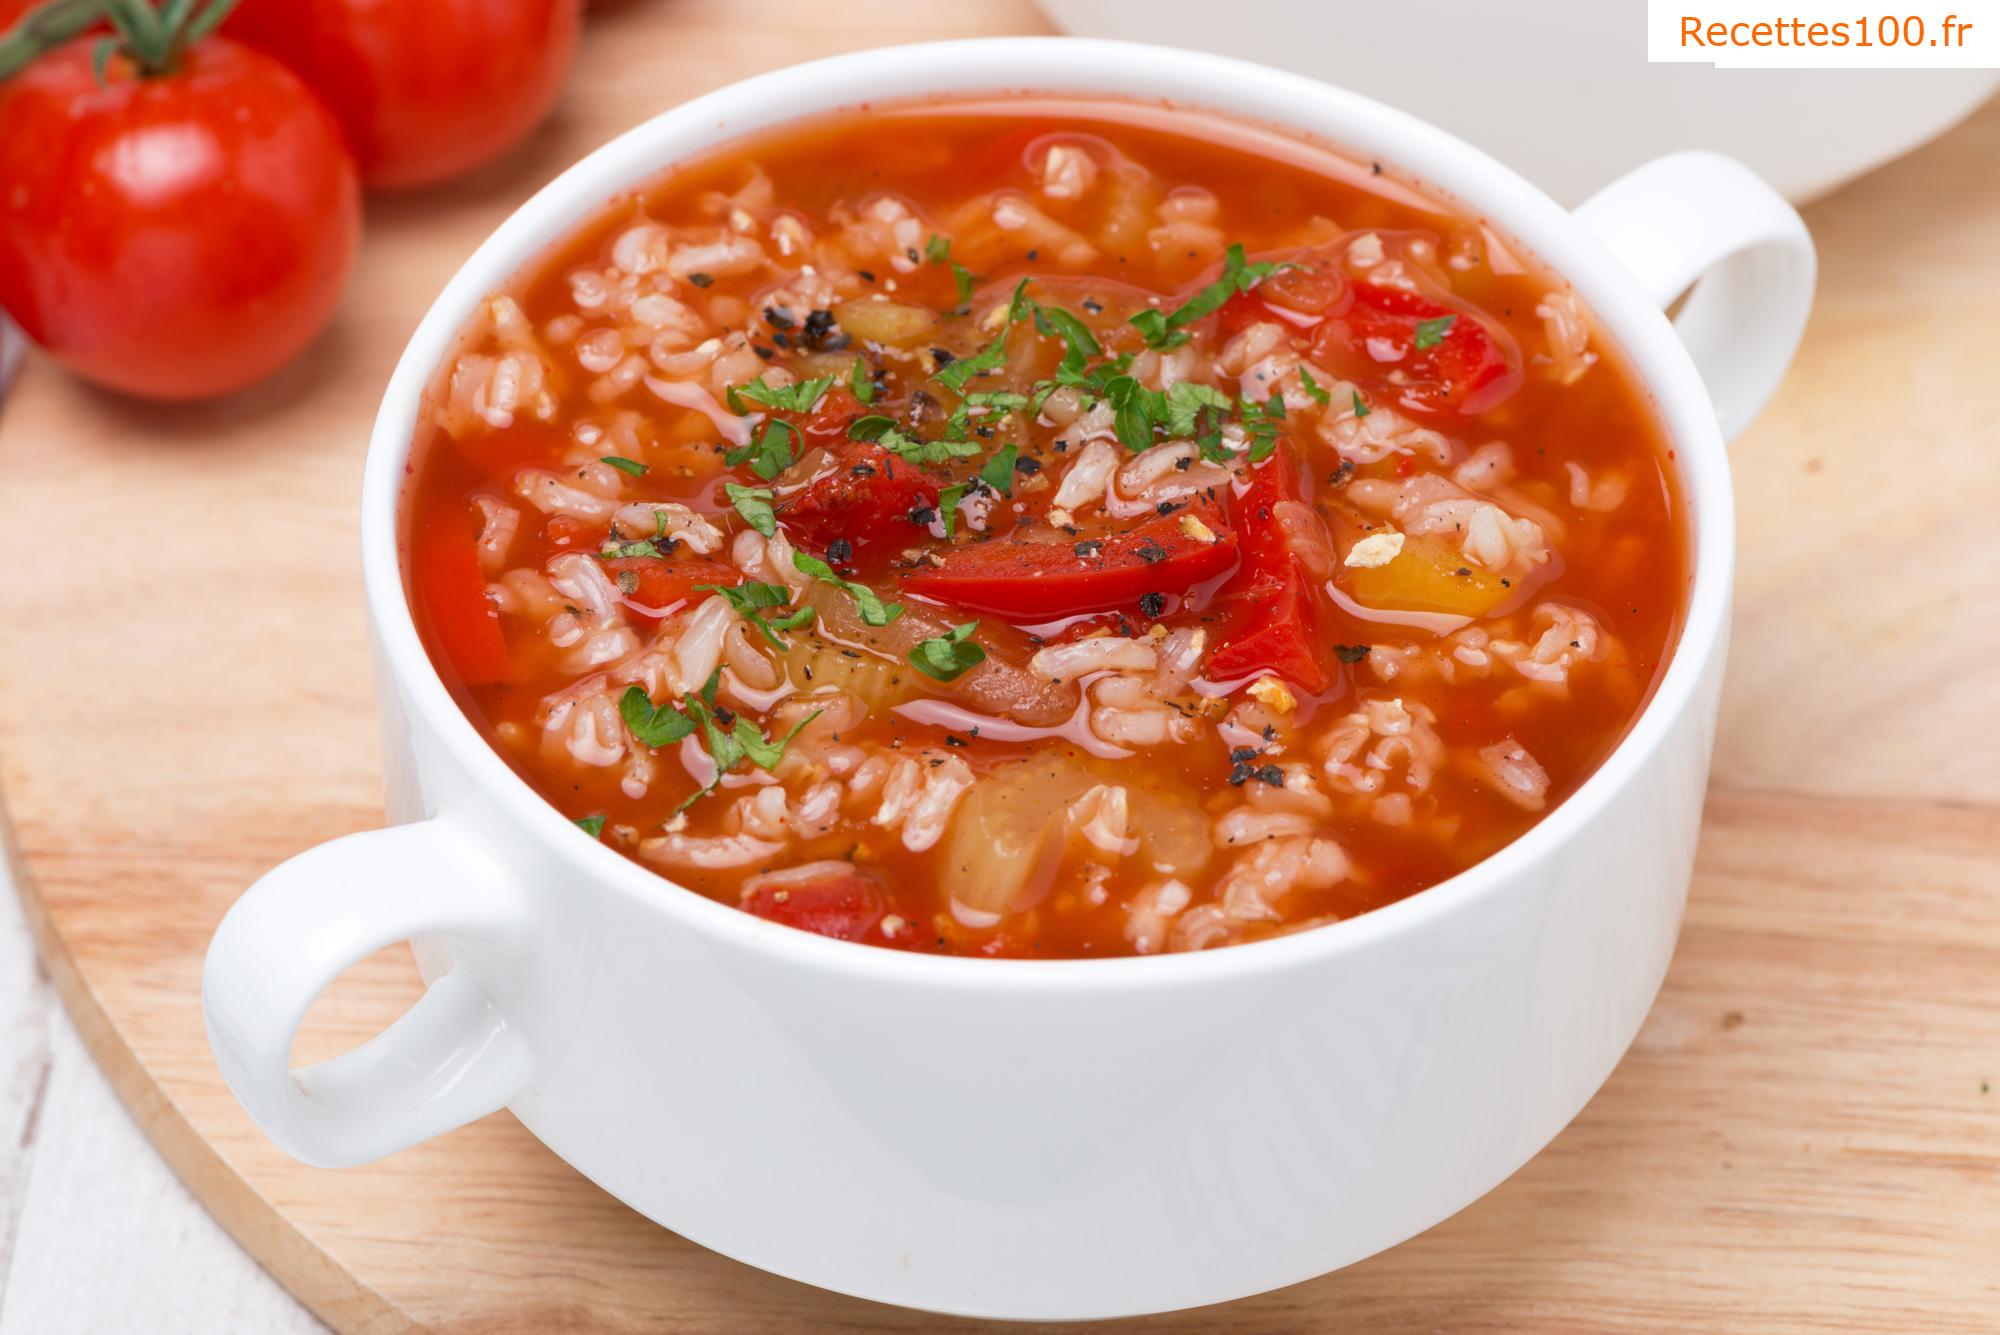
x,y
1464,369
1039,581
1270,609
867,497
649,586
450,593
841,901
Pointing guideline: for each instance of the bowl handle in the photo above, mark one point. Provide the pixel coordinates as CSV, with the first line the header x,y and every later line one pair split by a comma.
x,y
449,1059
1698,220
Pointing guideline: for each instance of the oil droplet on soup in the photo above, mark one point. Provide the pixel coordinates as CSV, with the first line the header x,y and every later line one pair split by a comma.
x,y
1044,528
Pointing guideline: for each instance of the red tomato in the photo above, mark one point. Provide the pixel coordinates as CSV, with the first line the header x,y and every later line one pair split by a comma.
x,y
176,236
1463,368
426,89
451,597
1270,609
834,899
867,497
650,586
1037,581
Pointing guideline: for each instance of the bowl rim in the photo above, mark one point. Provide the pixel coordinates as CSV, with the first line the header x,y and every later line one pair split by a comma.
x,y
1073,68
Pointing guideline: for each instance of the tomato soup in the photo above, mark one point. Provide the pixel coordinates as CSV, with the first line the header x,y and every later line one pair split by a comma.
x,y
1044,528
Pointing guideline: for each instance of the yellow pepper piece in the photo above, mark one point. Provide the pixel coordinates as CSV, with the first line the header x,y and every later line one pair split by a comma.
x,y
1430,574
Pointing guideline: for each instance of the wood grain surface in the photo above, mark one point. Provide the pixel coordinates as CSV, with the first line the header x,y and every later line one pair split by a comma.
x,y
1804,1138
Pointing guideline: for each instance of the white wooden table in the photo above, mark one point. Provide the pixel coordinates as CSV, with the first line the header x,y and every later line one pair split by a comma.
x,y
96,1233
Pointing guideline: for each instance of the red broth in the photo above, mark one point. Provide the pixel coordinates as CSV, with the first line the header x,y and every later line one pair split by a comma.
x,y
1041,528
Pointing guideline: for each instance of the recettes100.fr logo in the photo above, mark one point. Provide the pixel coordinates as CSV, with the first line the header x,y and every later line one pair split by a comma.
x,y
1818,34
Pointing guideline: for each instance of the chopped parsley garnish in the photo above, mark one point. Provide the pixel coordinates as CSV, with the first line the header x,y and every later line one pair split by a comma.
x,y
1350,653
701,279
754,505
1430,333
631,466
1312,387
998,472
1263,421
799,398
910,449
962,279
1134,409
1075,334
874,611
959,373
861,382
947,656
1361,408
770,453
955,376
938,249
743,740
1169,330
751,600
643,547
759,749
653,727
947,506
592,825
1187,401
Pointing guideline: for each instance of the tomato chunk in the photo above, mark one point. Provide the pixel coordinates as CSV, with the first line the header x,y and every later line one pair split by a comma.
x,y
836,899
829,419
1270,610
651,586
866,498
1463,369
1037,581
451,590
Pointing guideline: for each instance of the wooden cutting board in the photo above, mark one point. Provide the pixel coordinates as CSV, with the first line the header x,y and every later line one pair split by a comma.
x,y
1804,1136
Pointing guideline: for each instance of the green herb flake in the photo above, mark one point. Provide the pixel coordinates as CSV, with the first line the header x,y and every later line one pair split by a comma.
x,y
631,466
938,249
626,550
800,398
1187,401
910,449
751,600
947,506
592,825
1430,333
653,727
963,280
1361,408
1168,331
702,279
760,750
945,657
1135,409
874,611
753,504
998,472
1312,387
769,454
861,382
966,369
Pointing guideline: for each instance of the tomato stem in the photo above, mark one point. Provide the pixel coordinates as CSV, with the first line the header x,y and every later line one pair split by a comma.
x,y
43,29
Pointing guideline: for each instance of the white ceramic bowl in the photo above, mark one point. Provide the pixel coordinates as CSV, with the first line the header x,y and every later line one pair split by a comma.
x,y
1561,90
1023,1139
